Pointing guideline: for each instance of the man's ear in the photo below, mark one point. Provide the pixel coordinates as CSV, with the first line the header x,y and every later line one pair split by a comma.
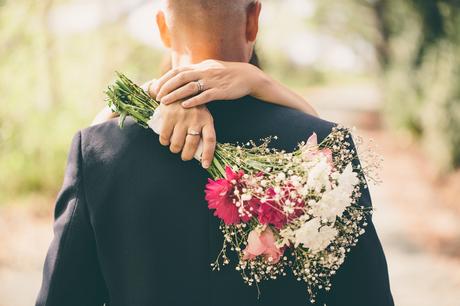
x,y
252,23
163,29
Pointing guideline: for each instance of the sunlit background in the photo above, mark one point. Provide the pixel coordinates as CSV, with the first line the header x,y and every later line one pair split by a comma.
x,y
389,67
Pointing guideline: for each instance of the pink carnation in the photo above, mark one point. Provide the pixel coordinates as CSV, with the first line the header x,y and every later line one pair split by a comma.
x,y
262,244
251,207
220,196
311,149
271,211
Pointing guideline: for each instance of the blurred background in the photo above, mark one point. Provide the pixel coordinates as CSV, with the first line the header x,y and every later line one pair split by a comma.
x,y
389,67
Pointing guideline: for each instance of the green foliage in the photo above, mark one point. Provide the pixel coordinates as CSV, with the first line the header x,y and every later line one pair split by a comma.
x,y
416,44
422,79
52,86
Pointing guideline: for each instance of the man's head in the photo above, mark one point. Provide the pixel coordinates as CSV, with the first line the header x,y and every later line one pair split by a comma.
x,y
196,30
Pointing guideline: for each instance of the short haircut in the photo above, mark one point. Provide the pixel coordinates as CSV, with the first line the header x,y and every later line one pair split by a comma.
x,y
215,13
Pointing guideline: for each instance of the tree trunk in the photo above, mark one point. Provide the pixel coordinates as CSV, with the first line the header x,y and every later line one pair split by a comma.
x,y
382,46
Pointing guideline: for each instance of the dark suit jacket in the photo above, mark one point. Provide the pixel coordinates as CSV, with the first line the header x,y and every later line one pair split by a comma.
x,y
132,227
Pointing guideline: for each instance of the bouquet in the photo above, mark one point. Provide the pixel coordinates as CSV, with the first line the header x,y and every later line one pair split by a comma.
x,y
279,210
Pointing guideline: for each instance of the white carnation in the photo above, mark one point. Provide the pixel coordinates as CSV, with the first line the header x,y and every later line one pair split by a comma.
x,y
314,237
332,205
334,202
348,179
318,175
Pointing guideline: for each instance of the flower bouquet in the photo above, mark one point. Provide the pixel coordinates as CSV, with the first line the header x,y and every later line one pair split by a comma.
x,y
279,210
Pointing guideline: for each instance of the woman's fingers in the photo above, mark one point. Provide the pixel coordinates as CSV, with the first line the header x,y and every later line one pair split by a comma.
x,y
165,77
166,132
203,98
191,145
181,93
176,82
148,87
178,139
209,145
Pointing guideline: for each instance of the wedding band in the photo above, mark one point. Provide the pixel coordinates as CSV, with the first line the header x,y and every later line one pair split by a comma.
x,y
200,86
193,133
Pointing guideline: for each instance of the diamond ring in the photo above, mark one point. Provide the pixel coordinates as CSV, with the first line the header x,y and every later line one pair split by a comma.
x,y
200,86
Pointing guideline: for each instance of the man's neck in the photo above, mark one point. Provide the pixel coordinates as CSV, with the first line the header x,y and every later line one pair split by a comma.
x,y
180,59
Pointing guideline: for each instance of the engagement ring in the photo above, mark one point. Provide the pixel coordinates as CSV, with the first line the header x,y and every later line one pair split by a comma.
x,y
200,86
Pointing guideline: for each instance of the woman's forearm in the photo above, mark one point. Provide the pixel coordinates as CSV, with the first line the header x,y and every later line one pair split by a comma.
x,y
220,80
267,89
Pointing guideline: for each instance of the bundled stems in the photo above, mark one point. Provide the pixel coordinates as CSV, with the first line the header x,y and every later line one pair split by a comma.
x,y
128,99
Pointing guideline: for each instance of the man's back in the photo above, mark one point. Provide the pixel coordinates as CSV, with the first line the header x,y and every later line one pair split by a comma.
x,y
133,227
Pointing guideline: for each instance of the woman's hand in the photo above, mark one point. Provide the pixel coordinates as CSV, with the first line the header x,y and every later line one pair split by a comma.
x,y
179,125
220,81
183,129
213,80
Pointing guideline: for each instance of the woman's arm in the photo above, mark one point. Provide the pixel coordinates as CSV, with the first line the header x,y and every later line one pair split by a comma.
x,y
224,81
270,90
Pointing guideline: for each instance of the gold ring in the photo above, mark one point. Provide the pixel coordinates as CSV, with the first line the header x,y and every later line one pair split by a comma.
x,y
193,133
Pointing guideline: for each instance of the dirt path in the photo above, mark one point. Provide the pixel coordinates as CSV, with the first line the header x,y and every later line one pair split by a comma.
x,y
25,233
410,221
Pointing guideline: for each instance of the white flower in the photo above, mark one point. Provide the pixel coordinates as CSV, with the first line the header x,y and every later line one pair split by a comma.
x,y
318,176
307,232
334,202
246,197
348,179
332,205
295,180
287,237
303,190
280,177
314,237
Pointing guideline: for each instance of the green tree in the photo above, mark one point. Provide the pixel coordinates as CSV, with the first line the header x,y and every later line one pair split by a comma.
x,y
416,44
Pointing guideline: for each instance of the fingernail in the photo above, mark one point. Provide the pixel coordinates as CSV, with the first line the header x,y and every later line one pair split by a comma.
x,y
206,164
185,104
